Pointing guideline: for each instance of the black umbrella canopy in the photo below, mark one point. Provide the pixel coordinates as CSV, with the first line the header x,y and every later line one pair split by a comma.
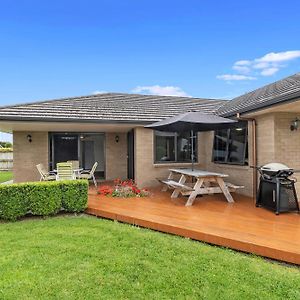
x,y
196,121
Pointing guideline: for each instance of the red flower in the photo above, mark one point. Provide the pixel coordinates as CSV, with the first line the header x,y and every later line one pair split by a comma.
x,y
105,190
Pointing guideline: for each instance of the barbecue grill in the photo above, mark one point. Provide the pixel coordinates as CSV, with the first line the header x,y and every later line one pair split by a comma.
x,y
277,188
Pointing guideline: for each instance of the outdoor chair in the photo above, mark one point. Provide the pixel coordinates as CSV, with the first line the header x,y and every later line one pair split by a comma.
x,y
65,171
45,176
89,174
75,164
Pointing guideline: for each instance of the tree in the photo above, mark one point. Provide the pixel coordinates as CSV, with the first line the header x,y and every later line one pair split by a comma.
x,y
6,144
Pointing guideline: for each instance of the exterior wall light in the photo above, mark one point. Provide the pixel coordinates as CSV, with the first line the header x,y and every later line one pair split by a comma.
x,y
117,138
295,124
29,138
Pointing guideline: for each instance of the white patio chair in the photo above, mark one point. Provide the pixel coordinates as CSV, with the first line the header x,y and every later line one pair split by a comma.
x,y
75,164
45,176
89,174
65,171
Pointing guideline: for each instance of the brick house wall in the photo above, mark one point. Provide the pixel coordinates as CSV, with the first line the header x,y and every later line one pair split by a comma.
x,y
277,143
116,156
27,155
287,143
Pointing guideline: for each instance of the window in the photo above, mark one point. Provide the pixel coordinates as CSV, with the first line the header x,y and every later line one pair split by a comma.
x,y
174,147
231,145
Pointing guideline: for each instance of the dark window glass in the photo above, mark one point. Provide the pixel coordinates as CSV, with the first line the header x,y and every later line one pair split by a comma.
x,y
165,146
174,147
237,145
184,149
220,145
231,145
65,148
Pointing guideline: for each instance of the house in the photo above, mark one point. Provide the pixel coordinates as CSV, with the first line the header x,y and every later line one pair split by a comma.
x,y
109,128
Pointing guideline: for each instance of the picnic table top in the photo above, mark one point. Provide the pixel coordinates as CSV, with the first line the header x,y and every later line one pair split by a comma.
x,y
198,173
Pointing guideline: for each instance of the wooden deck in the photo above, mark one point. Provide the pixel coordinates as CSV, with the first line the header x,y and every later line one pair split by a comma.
x,y
211,219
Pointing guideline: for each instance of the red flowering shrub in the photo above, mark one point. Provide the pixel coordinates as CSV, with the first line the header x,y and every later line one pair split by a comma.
x,y
124,189
105,190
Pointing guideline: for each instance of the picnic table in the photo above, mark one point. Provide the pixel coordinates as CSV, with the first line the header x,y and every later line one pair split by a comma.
x,y
205,183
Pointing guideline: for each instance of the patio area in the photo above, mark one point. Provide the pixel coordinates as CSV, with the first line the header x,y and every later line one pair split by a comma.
x,y
240,225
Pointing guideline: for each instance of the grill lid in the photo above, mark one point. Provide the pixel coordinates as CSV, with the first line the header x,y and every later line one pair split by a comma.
x,y
275,167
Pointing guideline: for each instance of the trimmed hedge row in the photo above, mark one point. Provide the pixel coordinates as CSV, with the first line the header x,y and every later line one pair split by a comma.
x,y
42,198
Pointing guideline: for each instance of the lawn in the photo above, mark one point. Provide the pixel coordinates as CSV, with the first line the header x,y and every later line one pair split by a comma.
x,y
88,258
5,176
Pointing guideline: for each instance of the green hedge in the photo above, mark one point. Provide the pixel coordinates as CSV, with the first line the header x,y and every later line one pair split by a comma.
x,y
74,196
42,198
13,204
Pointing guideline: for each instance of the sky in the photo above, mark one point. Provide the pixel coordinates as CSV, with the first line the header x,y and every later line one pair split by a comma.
x,y
209,49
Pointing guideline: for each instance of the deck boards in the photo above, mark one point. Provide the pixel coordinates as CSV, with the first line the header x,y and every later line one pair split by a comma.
x,y
211,219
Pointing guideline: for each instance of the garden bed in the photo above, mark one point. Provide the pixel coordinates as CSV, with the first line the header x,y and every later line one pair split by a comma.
x,y
123,189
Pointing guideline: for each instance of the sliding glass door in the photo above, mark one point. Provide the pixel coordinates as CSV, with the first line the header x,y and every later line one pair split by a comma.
x,y
87,148
91,150
65,147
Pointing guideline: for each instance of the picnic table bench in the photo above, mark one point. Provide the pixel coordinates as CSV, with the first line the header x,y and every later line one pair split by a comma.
x,y
206,183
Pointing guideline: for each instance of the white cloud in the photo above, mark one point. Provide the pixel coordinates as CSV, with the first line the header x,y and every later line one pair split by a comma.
x,y
260,65
161,90
267,65
235,77
99,92
279,56
243,63
269,71
241,69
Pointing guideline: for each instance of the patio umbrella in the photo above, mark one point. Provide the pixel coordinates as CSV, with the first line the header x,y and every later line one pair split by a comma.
x,y
193,122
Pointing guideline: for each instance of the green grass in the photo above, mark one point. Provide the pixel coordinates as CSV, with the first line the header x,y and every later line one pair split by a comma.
x,y
89,258
5,176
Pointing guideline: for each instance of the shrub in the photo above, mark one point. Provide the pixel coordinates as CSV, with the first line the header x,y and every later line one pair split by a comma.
x,y
74,195
105,190
6,144
13,201
42,198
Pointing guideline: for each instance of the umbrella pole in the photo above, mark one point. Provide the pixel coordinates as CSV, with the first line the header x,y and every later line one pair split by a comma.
x,y
192,146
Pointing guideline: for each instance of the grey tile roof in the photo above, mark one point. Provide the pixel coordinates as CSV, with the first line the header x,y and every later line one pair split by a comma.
x,y
134,108
109,107
277,92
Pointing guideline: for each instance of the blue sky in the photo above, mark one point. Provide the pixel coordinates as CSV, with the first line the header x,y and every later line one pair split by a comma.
x,y
214,49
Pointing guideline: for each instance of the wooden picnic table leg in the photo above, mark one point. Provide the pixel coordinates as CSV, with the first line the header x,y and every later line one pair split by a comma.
x,y
176,192
194,193
224,189
165,187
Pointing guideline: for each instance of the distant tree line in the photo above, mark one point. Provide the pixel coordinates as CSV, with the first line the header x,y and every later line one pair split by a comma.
x,y
6,145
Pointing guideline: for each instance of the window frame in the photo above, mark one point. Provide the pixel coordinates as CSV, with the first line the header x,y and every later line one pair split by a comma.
x,y
175,135
244,161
